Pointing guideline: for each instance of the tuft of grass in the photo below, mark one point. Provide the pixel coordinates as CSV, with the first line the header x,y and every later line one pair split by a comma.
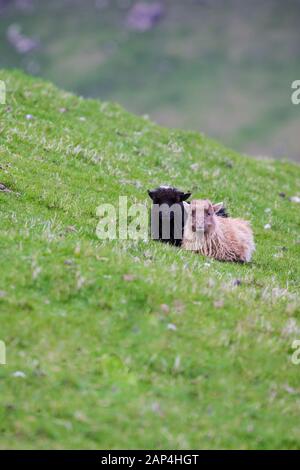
x,y
134,344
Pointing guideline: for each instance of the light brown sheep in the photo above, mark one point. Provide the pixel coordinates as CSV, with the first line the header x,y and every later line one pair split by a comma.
x,y
225,239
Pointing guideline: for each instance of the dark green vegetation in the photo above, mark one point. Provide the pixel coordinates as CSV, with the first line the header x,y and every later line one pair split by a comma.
x,y
222,67
134,344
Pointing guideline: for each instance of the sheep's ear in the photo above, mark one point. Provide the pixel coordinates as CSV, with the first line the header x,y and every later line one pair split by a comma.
x,y
151,193
185,196
218,207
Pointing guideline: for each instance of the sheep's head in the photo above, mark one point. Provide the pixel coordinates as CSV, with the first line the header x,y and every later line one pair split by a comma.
x,y
166,197
203,215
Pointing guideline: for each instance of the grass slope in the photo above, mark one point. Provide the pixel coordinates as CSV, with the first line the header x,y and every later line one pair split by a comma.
x,y
225,67
102,366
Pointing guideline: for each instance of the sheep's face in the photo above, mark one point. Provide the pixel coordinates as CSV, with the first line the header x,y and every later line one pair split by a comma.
x,y
166,197
203,216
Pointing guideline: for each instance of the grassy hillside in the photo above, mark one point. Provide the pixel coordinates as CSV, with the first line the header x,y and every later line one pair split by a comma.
x,y
225,67
128,344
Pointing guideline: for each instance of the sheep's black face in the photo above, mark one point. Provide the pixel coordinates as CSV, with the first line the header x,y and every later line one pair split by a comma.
x,y
167,195
168,208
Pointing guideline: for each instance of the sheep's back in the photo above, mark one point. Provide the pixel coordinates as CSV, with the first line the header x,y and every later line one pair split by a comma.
x,y
239,237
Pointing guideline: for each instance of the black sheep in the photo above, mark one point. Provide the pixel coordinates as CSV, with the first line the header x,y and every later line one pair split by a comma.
x,y
168,214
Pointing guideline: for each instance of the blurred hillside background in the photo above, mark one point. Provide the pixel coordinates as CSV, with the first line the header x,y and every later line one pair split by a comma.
x,y
223,67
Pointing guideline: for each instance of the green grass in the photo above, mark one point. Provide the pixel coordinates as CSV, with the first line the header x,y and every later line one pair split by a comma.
x,y
102,368
225,68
